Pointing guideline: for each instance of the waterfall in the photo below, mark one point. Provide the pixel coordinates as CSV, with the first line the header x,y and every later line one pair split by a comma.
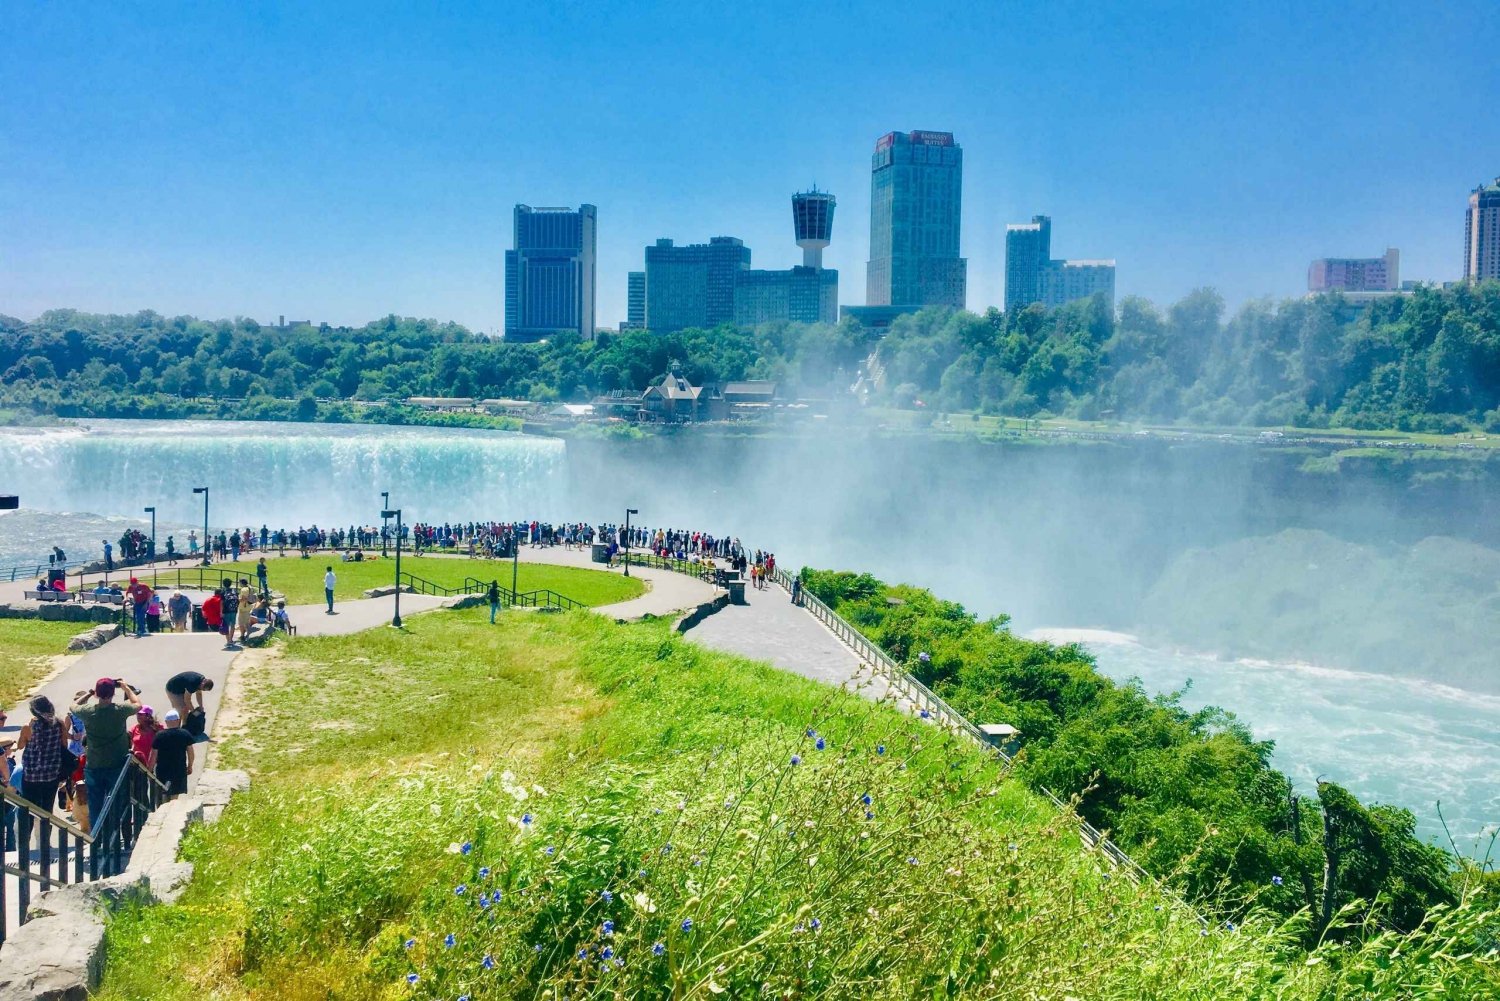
x,y
282,475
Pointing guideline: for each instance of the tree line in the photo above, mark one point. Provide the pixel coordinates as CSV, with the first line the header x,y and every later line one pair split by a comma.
x,y
1428,361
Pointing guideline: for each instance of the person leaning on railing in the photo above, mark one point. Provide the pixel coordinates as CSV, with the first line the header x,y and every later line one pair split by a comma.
x,y
106,745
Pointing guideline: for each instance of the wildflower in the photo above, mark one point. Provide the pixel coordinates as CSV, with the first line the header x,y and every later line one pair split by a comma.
x,y
811,732
924,657
869,815
1158,907
607,952
608,928
913,861
1013,847
448,940
666,848
925,714
606,896
687,924
549,851
484,901
879,748
815,924
658,949
1229,925
484,872
796,759
465,848
583,954
412,978
866,799
409,943
526,820
460,889
488,962
1275,880
798,928
538,948
619,964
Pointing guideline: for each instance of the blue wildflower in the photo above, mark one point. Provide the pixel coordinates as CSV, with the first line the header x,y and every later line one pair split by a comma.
x,y
549,851
465,848
1013,846
1158,907
484,872
687,924
926,715
606,896
1275,880
1229,925
811,732
488,962
484,900
815,924
412,978
869,815
409,943
619,964
449,940
608,928
924,657
666,848
879,748
866,799
607,952
796,759
658,949
526,819
538,948
820,743
583,954
460,889
912,861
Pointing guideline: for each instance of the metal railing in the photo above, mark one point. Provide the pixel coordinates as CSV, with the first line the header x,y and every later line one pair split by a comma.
x,y
66,854
543,597
929,705
645,558
21,571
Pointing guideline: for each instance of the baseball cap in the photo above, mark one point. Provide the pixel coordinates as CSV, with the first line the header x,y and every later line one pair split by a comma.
x,y
172,716
105,688
145,711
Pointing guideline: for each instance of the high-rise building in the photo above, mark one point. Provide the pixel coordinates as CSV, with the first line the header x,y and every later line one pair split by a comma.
x,y
801,295
916,194
1482,233
1356,274
635,300
693,286
1032,275
550,273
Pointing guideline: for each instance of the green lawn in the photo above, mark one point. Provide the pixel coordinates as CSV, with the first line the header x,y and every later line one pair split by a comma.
x,y
557,784
26,646
302,580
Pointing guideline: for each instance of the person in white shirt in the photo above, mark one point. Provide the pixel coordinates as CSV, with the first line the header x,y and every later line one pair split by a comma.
x,y
328,581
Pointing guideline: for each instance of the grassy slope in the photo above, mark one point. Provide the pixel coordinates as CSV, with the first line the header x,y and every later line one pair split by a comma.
x,y
25,648
302,580
663,774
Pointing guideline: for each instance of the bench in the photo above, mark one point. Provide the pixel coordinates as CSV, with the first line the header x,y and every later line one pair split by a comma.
x,y
102,599
49,595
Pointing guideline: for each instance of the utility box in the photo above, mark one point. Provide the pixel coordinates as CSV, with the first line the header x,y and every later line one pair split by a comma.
x,y
1002,736
601,552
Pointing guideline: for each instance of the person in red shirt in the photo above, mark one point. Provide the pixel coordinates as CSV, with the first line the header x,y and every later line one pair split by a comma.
x,y
140,594
213,611
143,737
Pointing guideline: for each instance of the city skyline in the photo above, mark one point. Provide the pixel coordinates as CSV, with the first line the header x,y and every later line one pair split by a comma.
x,y
158,161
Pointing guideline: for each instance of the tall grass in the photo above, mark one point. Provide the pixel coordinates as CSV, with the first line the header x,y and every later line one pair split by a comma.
x,y
615,813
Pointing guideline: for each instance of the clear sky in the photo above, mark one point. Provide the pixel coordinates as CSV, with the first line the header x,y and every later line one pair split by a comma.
x,y
340,162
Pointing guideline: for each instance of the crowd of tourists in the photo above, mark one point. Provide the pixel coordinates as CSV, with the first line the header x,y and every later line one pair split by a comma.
x,y
70,761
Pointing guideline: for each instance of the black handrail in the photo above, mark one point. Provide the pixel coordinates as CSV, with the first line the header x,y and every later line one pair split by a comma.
x,y
103,851
540,598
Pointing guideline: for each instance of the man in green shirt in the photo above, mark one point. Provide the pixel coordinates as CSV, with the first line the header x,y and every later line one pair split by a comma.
x,y
106,745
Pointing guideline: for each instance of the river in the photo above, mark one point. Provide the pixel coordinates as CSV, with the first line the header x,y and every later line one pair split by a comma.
x,y
1150,541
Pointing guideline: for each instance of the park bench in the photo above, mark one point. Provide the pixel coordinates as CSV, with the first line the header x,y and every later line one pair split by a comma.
x,y
48,595
102,599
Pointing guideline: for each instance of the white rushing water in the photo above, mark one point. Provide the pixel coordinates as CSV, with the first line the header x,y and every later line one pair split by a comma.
x,y
1405,742
1390,740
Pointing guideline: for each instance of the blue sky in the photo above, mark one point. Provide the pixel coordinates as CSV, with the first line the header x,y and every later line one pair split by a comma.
x,y
343,161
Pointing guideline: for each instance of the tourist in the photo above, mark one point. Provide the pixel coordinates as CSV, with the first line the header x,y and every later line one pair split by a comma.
x,y
43,744
153,613
179,607
493,594
109,558
329,580
173,747
213,612
171,552
246,610
193,542
185,685
143,735
105,742
231,599
261,571
140,594
279,618
796,590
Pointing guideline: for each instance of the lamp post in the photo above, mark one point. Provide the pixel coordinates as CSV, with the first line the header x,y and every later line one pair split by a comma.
x,y
628,512
396,513
385,497
152,550
204,492
515,562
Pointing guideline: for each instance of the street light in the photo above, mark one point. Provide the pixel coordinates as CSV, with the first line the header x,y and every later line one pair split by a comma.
x,y
515,562
152,551
385,497
204,492
628,512
396,513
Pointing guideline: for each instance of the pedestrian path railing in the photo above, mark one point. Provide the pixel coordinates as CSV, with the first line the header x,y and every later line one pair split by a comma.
x,y
542,597
24,571
63,853
931,706
699,570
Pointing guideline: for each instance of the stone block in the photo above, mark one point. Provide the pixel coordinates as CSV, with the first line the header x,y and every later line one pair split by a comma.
x,y
215,787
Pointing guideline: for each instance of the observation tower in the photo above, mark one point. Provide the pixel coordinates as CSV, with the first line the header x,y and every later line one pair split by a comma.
x,y
812,215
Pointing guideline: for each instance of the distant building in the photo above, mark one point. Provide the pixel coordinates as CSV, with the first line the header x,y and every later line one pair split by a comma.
x,y
800,295
877,317
1482,233
1356,274
1032,275
635,301
693,286
550,273
676,400
916,194
812,219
